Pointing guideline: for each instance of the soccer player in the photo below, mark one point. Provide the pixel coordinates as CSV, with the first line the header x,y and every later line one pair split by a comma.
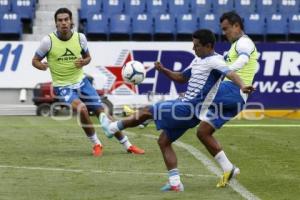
x,y
229,101
67,53
174,117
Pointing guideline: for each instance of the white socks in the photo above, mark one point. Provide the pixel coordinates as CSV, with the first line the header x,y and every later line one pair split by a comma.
x,y
174,178
223,161
113,127
125,142
94,139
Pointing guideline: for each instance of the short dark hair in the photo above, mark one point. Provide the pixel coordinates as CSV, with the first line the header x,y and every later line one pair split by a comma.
x,y
205,36
232,18
62,10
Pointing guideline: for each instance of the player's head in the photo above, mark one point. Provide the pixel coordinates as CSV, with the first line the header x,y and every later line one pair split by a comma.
x,y
63,20
231,25
203,42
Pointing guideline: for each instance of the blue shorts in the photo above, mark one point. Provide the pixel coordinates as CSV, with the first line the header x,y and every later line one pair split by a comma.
x,y
174,117
226,105
86,93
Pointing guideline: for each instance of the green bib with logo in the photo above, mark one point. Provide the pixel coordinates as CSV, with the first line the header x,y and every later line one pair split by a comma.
x,y
248,71
61,58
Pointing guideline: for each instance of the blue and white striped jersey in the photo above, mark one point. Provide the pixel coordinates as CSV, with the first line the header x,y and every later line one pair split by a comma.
x,y
205,75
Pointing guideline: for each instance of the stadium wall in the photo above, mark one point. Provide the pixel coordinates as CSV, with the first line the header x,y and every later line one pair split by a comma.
x,y
277,79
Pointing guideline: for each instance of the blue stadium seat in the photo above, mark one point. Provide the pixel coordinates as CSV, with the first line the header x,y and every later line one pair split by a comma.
x,y
120,26
155,7
133,7
186,23
267,6
254,25
210,21
142,27
200,7
24,8
288,6
179,6
221,6
294,24
164,27
10,24
245,6
111,7
96,25
92,6
5,6
276,25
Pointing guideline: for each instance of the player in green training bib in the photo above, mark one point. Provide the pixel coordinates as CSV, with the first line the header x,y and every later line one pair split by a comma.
x,y
229,100
67,53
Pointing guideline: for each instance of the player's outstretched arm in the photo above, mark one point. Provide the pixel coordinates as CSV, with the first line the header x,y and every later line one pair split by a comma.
x,y
37,63
237,80
175,76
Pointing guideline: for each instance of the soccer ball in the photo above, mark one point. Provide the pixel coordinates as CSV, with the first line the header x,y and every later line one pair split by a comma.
x,y
133,72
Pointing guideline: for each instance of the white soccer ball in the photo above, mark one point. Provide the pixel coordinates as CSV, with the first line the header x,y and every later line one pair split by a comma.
x,y
133,72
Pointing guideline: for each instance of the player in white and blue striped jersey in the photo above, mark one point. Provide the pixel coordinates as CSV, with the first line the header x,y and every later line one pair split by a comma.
x,y
176,116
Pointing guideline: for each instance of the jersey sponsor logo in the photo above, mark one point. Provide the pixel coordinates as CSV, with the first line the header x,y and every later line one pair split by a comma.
x,y
67,56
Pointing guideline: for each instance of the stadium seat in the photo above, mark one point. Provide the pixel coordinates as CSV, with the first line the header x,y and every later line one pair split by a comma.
x,y
120,27
92,6
288,6
24,8
186,25
142,27
221,6
210,21
96,26
267,6
11,25
155,7
5,6
245,6
200,7
133,7
179,6
276,27
254,25
294,27
164,27
111,7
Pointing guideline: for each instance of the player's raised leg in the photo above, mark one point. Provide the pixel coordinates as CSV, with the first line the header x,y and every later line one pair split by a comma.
x,y
105,120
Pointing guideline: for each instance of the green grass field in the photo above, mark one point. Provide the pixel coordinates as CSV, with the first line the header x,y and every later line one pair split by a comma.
x,y
41,158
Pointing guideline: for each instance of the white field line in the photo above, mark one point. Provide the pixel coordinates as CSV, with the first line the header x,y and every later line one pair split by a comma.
x,y
98,171
234,184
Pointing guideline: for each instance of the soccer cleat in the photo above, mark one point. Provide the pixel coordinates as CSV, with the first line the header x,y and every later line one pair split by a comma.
x,y
104,121
127,111
135,150
227,176
167,187
97,150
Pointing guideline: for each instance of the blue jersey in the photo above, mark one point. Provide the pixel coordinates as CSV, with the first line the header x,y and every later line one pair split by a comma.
x,y
205,75
176,116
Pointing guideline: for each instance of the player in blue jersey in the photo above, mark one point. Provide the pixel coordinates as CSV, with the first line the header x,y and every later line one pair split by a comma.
x,y
67,53
176,116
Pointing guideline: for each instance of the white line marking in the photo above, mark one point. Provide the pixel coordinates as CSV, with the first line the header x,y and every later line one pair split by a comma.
x,y
234,184
98,171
